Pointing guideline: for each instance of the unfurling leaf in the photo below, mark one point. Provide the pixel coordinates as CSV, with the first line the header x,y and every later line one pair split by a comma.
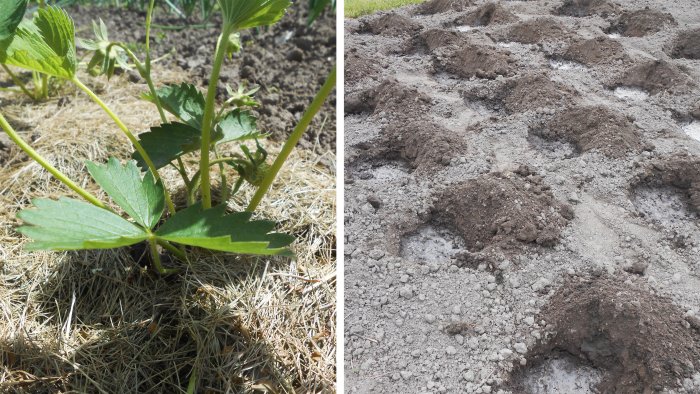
x,y
46,44
142,199
11,14
106,56
167,142
246,14
183,101
69,224
237,125
214,229
234,45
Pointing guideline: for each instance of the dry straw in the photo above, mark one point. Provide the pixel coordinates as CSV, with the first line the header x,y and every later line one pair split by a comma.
x,y
96,322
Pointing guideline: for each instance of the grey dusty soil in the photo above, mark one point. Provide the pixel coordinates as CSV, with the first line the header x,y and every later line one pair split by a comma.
x,y
523,198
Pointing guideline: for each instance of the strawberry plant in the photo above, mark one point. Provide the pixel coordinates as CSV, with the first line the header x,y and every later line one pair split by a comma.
x,y
46,44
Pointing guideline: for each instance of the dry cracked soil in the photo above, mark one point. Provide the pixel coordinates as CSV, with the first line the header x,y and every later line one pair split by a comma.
x,y
523,198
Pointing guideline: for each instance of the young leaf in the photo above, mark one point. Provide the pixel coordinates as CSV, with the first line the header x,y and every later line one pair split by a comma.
x,y
106,56
214,229
245,14
167,142
69,224
237,125
11,14
142,199
45,45
183,101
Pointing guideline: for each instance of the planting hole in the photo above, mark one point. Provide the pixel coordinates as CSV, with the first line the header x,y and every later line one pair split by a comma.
x,y
664,205
561,375
693,130
431,245
629,93
565,65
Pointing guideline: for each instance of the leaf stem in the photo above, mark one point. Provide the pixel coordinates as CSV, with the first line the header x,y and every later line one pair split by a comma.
x,y
293,139
42,162
177,252
208,120
130,136
157,263
18,82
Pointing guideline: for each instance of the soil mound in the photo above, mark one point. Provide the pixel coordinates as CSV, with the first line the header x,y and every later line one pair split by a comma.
x,y
433,39
391,97
422,145
642,22
487,14
390,25
595,128
679,172
596,51
655,77
581,8
358,67
641,342
477,61
687,45
539,30
535,91
439,6
503,209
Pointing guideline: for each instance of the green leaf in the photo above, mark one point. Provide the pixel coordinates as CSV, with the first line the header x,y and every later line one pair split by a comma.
x,y
167,142
141,199
45,45
184,101
106,56
11,14
214,229
237,125
245,14
69,224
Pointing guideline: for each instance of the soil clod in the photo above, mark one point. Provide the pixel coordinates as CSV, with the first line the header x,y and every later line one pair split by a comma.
x,y
642,22
476,61
595,128
502,209
581,8
539,30
597,51
681,173
391,97
616,325
358,67
655,77
535,91
687,45
390,25
440,6
487,14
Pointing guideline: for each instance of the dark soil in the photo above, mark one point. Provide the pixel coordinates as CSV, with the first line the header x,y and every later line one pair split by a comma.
x,y
539,30
596,51
642,22
487,14
440,6
679,172
391,97
687,45
422,145
535,91
6,146
390,25
656,77
595,128
641,341
432,39
476,61
581,8
503,209
358,66
290,61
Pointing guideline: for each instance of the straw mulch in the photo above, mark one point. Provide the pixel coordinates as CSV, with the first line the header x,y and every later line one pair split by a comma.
x,y
98,322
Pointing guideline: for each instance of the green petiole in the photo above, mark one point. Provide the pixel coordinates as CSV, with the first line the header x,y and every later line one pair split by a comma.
x,y
293,139
46,165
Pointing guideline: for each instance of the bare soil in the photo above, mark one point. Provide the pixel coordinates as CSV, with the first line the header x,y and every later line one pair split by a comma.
x,y
687,45
522,200
640,23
